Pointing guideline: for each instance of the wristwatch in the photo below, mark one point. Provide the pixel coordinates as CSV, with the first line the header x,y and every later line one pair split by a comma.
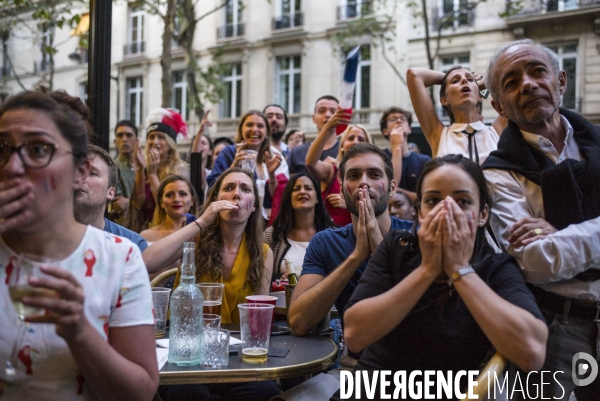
x,y
459,273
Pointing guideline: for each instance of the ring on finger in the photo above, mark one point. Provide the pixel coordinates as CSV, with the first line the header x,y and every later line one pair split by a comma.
x,y
536,232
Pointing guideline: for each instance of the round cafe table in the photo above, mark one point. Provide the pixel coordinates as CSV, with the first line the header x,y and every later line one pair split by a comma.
x,y
307,355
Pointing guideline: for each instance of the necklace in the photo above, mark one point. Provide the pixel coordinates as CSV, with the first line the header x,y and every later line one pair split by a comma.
x,y
230,252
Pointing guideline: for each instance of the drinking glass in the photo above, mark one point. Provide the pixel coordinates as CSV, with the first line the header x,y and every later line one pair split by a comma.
x,y
213,296
160,299
255,325
249,163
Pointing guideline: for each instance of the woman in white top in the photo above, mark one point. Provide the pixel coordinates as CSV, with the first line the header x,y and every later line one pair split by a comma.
x,y
301,216
460,97
95,340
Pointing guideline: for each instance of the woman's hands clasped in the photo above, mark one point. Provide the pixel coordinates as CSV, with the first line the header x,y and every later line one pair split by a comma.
x,y
446,238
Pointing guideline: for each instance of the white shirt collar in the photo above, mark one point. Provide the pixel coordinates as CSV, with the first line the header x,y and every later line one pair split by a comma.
x,y
540,142
460,127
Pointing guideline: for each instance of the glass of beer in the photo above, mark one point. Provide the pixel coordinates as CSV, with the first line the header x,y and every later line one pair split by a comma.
x,y
160,300
213,297
255,327
19,270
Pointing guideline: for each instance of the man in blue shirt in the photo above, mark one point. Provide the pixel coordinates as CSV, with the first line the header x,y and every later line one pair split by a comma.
x,y
335,259
98,189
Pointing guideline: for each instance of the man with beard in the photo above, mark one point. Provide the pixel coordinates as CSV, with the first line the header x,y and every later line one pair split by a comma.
x,y
278,120
546,212
335,259
98,189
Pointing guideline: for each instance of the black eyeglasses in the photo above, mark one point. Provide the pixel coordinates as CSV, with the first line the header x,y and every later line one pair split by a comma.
x,y
32,154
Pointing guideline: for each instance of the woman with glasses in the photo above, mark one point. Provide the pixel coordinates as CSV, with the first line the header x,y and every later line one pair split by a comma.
x,y
461,100
326,172
94,336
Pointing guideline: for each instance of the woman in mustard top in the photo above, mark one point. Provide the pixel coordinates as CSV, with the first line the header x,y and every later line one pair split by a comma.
x,y
229,246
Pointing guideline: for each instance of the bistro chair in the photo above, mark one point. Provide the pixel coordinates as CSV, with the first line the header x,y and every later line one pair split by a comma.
x,y
162,276
496,364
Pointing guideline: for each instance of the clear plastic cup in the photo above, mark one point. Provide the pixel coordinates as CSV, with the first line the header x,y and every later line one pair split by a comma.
x,y
160,299
249,163
255,325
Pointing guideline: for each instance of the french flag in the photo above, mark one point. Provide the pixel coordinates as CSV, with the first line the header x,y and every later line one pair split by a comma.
x,y
348,85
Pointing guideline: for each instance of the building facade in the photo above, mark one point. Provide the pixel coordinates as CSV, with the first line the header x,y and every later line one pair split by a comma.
x,y
284,52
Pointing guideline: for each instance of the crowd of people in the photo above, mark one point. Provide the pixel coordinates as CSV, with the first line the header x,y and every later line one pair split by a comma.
x,y
492,244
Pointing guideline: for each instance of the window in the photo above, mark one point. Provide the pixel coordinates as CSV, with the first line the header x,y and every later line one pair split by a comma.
x,y
448,62
289,83
362,90
290,14
455,13
231,104
567,60
46,41
135,41
179,98
233,20
354,8
5,62
83,91
135,92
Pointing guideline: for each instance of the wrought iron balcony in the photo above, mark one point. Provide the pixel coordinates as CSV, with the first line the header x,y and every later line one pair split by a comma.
x,y
354,9
524,7
134,48
288,21
230,31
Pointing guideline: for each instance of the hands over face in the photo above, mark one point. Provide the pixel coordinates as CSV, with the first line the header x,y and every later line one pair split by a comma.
x,y
397,137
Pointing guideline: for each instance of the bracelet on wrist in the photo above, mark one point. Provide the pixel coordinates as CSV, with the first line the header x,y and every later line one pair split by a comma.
x,y
459,273
198,224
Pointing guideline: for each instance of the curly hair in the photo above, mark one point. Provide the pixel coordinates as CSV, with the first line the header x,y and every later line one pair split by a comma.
x,y
209,245
160,215
284,223
266,143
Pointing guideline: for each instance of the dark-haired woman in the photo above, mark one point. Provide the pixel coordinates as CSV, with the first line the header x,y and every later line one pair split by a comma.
x,y
447,298
302,214
271,168
95,339
459,95
229,242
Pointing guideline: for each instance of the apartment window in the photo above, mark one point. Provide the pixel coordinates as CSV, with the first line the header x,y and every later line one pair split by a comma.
x,y
455,13
567,60
354,9
135,39
362,90
290,14
179,98
231,103
289,82
233,20
5,62
83,91
135,92
46,39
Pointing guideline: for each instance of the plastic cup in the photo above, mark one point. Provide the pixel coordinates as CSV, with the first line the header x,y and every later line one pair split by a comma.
x,y
213,297
160,299
249,163
216,348
263,299
255,325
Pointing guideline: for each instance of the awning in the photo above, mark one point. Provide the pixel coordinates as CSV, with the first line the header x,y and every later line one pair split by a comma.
x,y
83,26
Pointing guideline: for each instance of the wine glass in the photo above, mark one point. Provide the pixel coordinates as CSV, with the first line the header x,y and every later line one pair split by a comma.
x,y
22,268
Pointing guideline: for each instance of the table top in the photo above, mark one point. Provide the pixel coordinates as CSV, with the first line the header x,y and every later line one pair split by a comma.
x,y
280,305
307,355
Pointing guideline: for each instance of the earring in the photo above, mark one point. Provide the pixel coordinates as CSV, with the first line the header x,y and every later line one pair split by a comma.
x,y
480,224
